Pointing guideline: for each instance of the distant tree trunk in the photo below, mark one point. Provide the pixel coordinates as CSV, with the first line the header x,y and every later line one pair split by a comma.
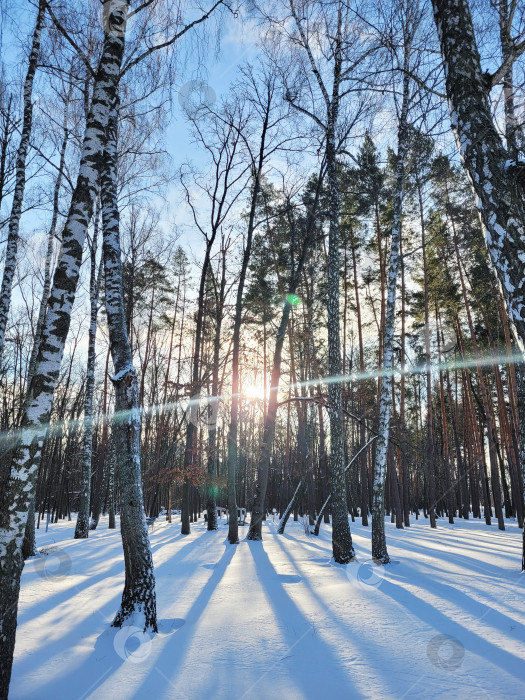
x,y
255,531
20,181
462,472
402,392
138,598
496,489
431,468
20,490
211,488
111,486
101,452
362,401
189,450
449,495
82,526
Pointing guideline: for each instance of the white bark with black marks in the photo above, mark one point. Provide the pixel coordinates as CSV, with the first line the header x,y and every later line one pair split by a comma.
x,y
494,177
20,181
20,490
379,548
497,180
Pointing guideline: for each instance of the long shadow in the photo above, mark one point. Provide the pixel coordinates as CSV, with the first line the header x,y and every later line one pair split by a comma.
x,y
346,627
106,659
323,676
173,655
26,664
471,641
445,592
181,553
33,610
55,648
470,563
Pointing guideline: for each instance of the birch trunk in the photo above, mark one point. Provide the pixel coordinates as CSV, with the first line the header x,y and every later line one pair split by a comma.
x,y
20,181
20,490
379,548
495,179
138,598
49,255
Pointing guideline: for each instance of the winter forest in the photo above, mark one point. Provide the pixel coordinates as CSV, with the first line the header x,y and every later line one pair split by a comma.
x,y
262,324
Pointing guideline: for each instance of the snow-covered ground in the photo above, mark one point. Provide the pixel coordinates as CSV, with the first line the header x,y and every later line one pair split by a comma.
x,y
277,619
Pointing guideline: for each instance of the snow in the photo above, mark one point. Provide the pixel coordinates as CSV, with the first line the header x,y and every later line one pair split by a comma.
x,y
277,618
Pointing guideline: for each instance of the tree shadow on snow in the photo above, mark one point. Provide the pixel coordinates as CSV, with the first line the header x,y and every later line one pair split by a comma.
x,y
322,676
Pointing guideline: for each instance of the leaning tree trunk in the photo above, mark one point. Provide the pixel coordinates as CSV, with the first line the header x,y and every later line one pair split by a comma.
x,y
138,598
20,181
20,490
495,179
82,526
379,548
498,182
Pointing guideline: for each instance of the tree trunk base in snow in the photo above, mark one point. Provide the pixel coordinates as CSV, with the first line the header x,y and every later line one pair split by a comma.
x,y
130,607
255,534
382,560
10,582
255,531
82,528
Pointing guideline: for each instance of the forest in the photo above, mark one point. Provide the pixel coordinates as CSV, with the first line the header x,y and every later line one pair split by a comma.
x,y
262,290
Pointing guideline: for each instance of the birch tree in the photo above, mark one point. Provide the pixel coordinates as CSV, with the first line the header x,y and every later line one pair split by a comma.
x,y
82,526
20,490
20,180
496,175
410,22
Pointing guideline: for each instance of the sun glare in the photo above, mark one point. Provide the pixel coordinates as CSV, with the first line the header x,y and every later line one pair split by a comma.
x,y
253,391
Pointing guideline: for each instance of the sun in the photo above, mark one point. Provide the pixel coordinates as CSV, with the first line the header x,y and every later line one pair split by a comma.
x,y
253,391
